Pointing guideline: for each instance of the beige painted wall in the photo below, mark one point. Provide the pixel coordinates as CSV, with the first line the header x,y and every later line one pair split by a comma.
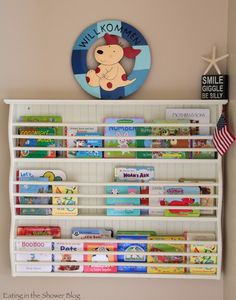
x,y
36,41
230,201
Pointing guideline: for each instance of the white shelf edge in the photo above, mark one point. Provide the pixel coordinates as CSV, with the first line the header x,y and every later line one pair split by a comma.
x,y
115,160
115,102
120,275
118,218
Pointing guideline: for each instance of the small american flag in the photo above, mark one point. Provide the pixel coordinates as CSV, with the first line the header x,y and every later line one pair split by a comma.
x,y
222,138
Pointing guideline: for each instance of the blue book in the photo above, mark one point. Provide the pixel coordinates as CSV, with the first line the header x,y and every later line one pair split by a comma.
x,y
132,247
116,190
25,188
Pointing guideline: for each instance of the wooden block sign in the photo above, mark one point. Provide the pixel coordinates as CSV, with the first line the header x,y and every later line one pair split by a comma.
x,y
214,87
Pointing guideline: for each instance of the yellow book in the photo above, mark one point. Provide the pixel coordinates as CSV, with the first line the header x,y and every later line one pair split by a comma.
x,y
166,259
206,249
64,200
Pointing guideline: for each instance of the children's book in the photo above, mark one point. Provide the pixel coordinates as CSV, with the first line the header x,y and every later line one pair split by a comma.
x,y
197,115
100,257
184,201
205,248
33,257
133,247
156,189
68,254
121,137
136,174
82,143
50,175
31,243
25,188
32,142
160,143
65,200
204,190
39,231
32,268
91,233
51,119
117,190
203,154
166,259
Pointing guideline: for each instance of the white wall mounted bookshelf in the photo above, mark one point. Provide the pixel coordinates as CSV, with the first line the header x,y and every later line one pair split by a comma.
x,y
92,175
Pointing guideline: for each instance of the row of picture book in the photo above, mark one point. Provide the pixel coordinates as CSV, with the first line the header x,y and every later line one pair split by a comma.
x,y
122,137
40,238
174,194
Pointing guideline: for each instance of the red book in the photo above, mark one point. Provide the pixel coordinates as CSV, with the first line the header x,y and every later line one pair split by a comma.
x,y
54,231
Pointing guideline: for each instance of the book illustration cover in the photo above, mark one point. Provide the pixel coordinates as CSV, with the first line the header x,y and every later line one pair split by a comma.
x,y
24,188
100,257
51,119
199,115
121,135
68,257
52,175
92,143
69,254
38,231
65,200
206,249
160,143
166,259
37,142
91,233
201,143
204,190
138,248
117,190
136,174
184,201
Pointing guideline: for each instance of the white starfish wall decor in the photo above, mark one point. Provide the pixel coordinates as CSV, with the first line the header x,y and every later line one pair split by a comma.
x,y
213,61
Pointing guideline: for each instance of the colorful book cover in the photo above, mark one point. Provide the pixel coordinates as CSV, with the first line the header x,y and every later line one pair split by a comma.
x,y
136,174
204,190
117,190
121,135
50,175
100,257
184,201
39,231
65,200
37,142
199,115
206,249
51,119
160,143
81,143
69,254
24,188
133,247
91,233
203,154
166,259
